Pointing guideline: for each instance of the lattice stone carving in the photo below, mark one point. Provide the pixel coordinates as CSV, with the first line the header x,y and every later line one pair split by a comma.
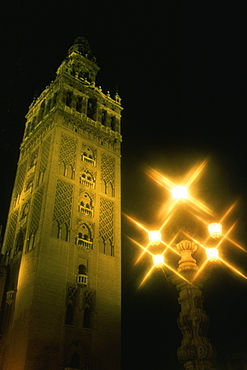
x,y
36,210
89,299
20,177
68,150
45,154
71,294
63,202
33,159
11,230
106,219
107,168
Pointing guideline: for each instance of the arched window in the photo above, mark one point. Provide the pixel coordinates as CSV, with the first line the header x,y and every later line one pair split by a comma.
x,y
79,104
62,168
88,156
84,237
82,277
64,232
102,245
91,108
111,190
109,248
69,96
113,123
82,270
106,247
87,318
85,205
70,173
104,117
87,179
69,318
55,229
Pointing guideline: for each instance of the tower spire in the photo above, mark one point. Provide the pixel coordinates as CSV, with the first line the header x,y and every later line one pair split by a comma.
x,y
81,46
80,62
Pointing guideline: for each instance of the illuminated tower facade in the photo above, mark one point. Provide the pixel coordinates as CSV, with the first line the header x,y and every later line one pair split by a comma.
x,y
60,279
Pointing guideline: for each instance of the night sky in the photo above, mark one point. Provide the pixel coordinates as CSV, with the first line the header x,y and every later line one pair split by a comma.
x,y
180,69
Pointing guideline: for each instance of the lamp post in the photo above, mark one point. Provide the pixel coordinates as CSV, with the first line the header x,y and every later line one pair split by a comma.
x,y
195,352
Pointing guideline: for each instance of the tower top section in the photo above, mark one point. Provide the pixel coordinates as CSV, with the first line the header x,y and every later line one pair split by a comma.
x,y
74,93
80,62
81,46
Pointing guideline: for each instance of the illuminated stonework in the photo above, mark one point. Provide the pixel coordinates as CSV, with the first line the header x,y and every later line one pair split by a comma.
x,y
62,244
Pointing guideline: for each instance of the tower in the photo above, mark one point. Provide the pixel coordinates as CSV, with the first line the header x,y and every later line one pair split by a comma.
x,y
62,249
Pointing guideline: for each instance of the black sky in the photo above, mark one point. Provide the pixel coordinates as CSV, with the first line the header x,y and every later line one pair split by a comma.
x,y
180,68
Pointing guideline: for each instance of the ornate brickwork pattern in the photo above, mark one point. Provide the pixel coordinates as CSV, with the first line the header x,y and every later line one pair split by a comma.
x,y
106,219
68,150
107,168
36,211
33,159
71,294
45,154
20,177
63,202
11,230
89,299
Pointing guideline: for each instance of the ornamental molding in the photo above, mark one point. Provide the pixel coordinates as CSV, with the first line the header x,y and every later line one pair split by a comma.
x,y
93,130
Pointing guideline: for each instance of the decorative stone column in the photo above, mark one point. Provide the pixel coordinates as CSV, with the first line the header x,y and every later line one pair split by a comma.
x,y
196,351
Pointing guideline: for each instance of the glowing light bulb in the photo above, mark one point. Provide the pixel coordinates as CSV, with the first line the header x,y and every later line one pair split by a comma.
x,y
154,236
212,254
179,192
158,260
215,230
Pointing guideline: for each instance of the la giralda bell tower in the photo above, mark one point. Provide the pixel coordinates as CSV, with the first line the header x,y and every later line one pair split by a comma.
x,y
61,270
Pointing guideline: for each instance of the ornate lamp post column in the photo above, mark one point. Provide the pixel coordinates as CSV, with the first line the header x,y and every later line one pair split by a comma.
x,y
196,351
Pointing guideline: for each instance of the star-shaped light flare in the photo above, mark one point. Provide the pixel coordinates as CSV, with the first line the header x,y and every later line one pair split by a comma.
x,y
202,213
220,241
189,179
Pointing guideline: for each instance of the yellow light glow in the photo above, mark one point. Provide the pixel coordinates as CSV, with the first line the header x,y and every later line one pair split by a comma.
x,y
189,179
215,230
135,222
180,192
157,248
154,236
212,254
233,268
158,260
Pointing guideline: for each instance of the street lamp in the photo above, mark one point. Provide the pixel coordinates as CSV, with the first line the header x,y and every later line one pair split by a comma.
x,y
196,351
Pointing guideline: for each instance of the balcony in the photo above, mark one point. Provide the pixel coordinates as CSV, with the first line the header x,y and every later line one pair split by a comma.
x,y
86,211
88,160
87,183
82,279
84,243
